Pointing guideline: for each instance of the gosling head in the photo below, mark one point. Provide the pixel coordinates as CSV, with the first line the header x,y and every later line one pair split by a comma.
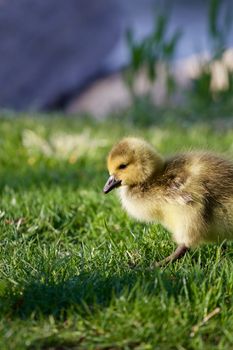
x,y
131,162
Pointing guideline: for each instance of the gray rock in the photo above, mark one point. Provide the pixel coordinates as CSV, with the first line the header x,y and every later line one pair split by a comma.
x,y
53,50
49,49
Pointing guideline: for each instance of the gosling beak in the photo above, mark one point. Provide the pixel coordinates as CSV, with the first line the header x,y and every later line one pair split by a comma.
x,y
111,184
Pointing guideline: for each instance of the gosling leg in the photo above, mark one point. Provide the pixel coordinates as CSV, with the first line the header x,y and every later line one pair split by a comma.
x,y
180,251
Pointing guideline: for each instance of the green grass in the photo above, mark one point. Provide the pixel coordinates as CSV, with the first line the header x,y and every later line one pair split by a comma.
x,y
67,250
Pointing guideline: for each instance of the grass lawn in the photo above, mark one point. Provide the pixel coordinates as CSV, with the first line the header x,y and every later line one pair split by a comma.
x,y
67,250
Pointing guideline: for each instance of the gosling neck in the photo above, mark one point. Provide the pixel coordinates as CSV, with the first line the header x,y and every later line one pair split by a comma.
x,y
151,178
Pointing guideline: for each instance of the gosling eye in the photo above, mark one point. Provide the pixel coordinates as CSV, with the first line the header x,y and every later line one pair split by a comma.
x,y
122,166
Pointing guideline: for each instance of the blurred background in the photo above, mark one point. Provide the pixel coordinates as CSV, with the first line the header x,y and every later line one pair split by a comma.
x,y
102,57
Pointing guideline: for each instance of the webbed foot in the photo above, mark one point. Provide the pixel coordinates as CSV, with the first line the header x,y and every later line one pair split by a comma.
x,y
180,251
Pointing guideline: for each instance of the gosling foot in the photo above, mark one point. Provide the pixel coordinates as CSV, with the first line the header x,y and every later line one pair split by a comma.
x,y
180,251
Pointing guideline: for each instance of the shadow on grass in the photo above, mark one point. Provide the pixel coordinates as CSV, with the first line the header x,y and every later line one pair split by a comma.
x,y
84,295
89,292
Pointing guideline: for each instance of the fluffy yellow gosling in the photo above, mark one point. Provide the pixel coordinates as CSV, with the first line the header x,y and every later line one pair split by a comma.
x,y
190,194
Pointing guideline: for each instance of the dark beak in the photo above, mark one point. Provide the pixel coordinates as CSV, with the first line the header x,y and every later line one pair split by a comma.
x,y
111,184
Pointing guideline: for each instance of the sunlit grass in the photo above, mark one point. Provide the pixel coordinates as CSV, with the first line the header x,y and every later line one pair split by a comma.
x,y
67,251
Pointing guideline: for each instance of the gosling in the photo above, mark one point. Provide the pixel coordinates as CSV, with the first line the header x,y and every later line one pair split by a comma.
x,y
190,194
